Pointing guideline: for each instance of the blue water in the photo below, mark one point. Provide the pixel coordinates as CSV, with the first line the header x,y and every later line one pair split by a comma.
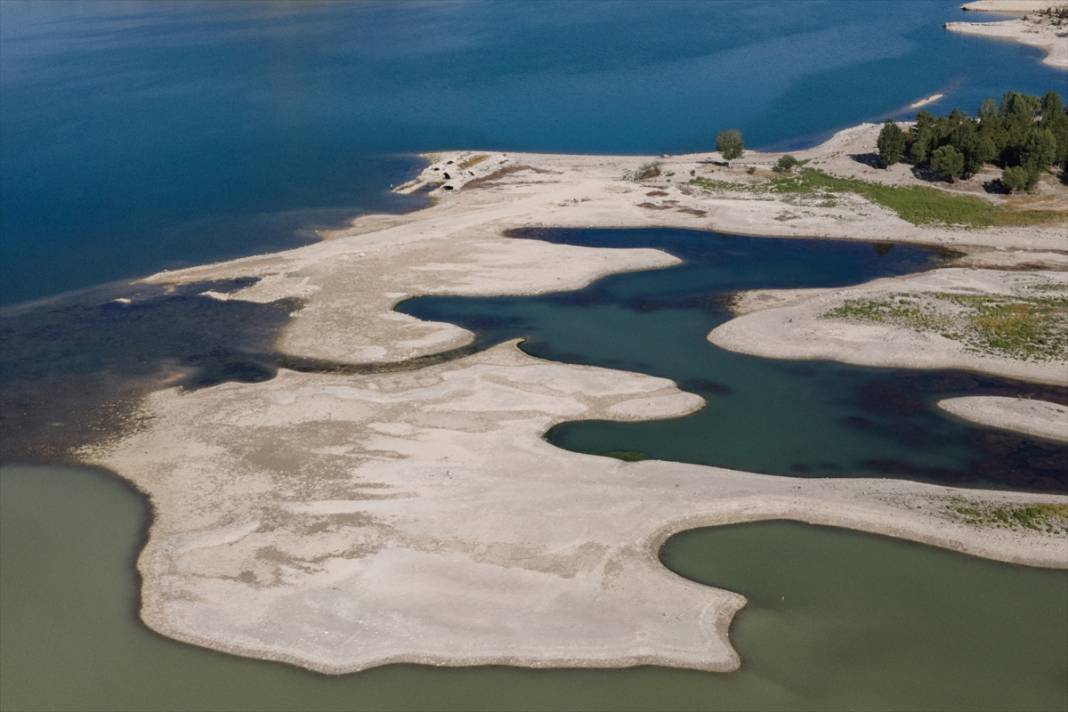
x,y
139,136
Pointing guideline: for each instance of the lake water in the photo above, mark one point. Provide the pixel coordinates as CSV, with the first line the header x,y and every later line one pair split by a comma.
x,y
136,136
836,620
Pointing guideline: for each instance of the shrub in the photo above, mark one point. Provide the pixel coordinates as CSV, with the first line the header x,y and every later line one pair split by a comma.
x,y
647,171
786,164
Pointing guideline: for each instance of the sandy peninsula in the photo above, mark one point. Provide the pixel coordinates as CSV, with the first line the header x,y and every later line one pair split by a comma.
x,y
1029,30
1035,417
906,322
340,522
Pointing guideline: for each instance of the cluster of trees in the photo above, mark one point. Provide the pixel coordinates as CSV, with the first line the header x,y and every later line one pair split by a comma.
x,y
1024,135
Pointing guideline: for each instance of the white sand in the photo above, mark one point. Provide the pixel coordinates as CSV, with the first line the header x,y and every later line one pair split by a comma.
x,y
1023,415
1012,6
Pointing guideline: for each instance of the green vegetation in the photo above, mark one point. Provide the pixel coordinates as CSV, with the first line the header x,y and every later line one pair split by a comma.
x,y
891,144
787,164
948,162
1026,327
1024,135
714,185
1047,518
729,143
919,205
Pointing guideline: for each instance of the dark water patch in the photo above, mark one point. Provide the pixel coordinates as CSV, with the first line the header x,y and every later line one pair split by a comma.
x,y
762,415
835,620
73,371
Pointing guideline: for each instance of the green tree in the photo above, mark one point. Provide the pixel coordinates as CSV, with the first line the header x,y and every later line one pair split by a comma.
x,y
729,143
1052,106
948,162
1018,178
1039,150
891,144
786,164
989,110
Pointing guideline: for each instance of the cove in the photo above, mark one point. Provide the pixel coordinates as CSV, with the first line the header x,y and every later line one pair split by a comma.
x,y
763,415
835,620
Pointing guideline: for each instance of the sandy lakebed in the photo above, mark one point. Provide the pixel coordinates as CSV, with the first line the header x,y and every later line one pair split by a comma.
x,y
343,520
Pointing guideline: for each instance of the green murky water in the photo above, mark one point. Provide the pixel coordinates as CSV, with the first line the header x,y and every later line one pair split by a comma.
x,y
837,620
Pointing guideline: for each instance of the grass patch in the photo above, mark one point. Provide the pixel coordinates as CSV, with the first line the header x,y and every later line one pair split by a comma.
x,y
919,205
713,185
1030,328
1046,518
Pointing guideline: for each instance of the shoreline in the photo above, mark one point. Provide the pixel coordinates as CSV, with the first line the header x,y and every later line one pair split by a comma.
x,y
1021,30
1041,419
368,494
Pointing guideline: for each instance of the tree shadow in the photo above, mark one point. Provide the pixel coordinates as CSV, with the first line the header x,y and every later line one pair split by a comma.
x,y
868,159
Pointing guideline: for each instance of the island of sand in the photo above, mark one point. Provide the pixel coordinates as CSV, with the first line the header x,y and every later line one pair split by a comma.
x,y
1034,29
340,521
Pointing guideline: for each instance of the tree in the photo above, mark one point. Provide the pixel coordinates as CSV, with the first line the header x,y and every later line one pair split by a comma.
x,y
891,144
786,164
729,143
1039,150
1052,105
1017,178
947,162
988,111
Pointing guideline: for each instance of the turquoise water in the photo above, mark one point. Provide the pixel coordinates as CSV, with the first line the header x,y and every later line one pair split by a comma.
x,y
764,415
836,620
138,136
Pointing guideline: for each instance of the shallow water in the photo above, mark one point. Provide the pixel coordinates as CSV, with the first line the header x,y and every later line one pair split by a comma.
x,y
764,415
141,136
836,620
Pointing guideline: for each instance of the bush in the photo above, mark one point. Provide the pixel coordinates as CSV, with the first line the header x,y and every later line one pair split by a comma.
x,y
891,144
786,164
647,171
729,143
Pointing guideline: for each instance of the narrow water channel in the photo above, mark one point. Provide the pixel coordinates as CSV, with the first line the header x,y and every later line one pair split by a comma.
x,y
764,415
836,620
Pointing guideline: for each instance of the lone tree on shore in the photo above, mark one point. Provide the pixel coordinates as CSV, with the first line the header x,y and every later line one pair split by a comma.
x,y
948,162
729,144
891,144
